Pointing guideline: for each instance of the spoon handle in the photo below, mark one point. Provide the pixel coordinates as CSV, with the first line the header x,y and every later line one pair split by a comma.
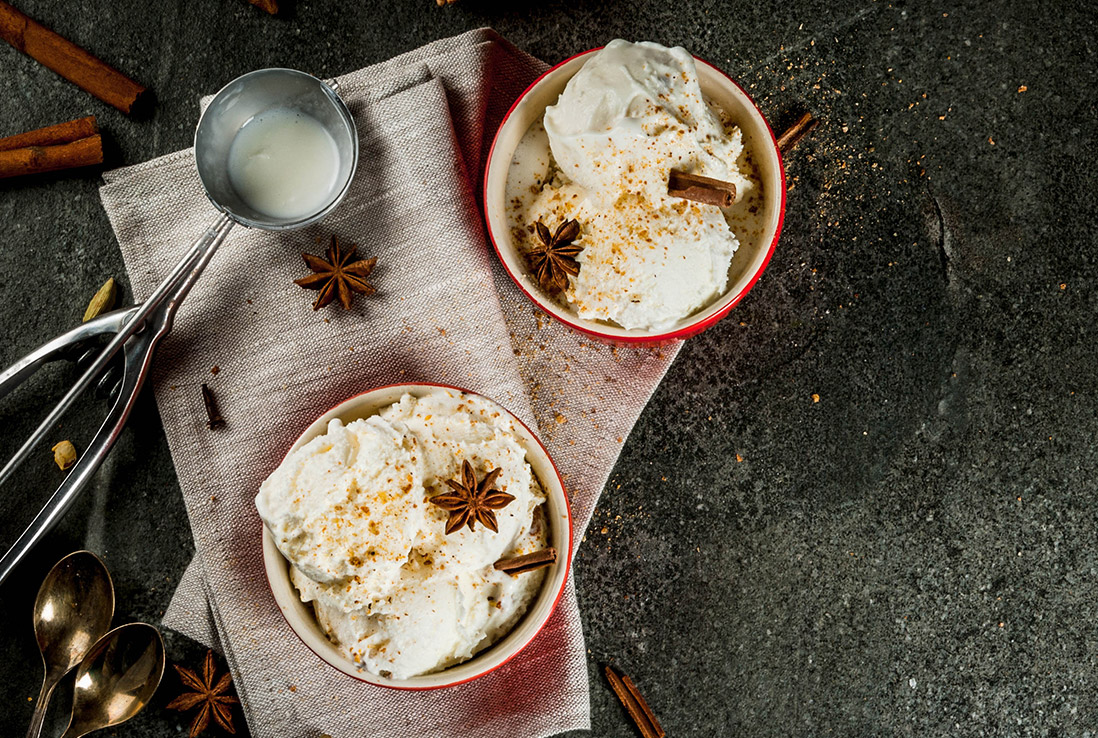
x,y
40,707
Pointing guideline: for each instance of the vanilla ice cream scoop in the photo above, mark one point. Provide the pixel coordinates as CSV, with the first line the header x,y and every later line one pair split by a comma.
x,y
350,511
632,113
347,507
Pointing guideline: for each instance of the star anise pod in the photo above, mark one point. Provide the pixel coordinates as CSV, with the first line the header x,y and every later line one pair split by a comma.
x,y
339,275
470,502
555,258
207,695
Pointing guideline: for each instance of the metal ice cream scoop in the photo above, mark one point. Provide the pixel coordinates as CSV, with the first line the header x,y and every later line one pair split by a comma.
x,y
137,330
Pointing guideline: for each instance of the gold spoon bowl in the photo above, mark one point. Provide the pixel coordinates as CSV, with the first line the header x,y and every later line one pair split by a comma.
x,y
116,679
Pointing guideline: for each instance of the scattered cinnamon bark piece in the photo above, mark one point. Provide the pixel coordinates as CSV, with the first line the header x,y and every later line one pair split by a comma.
x,y
651,716
705,190
793,135
62,133
68,59
38,159
214,419
529,562
639,711
270,6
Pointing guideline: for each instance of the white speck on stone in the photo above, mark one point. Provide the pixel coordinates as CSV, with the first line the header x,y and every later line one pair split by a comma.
x,y
912,683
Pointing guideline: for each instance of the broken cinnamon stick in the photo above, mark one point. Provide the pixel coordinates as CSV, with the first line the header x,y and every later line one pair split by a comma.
x,y
639,711
38,159
62,133
270,6
793,135
705,190
529,562
68,59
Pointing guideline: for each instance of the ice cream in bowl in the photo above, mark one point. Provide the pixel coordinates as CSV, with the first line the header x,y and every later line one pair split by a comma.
x,y
416,536
634,193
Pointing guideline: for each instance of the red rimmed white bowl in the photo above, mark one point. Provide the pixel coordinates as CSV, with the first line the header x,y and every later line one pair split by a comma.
x,y
299,615
750,259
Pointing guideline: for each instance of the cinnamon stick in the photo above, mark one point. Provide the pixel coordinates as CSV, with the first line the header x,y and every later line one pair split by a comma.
x,y
62,133
793,135
639,711
38,159
529,562
270,6
705,190
68,59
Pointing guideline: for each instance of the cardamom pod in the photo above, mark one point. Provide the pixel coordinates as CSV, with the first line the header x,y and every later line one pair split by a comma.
x,y
64,454
102,301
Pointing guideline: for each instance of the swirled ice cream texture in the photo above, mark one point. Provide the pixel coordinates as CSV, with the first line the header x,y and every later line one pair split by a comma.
x,y
632,113
349,511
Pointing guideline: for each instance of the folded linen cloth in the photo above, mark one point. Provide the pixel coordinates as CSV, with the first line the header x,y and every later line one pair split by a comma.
x,y
445,312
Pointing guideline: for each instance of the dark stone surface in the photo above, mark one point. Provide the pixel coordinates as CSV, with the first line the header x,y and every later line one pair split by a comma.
x,y
912,554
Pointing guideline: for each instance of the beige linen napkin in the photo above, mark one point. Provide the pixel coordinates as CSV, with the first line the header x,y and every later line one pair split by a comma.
x,y
445,312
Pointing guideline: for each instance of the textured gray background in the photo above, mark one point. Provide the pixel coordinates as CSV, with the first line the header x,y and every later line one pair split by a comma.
x,y
912,554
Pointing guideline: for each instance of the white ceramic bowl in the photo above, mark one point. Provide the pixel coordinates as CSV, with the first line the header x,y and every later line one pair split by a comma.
x,y
303,622
750,259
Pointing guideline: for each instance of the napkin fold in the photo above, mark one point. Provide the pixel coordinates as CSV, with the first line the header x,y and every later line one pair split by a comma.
x,y
445,312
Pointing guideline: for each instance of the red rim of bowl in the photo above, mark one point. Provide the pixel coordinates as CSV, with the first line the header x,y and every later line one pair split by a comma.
x,y
686,331
567,561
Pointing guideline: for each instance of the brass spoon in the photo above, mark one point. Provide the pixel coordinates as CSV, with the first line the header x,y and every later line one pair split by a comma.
x,y
116,679
73,610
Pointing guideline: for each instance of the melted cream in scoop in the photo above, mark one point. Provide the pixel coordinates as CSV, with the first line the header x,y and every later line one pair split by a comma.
x,y
284,164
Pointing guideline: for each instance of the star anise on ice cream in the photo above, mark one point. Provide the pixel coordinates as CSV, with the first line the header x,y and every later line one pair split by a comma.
x,y
471,503
555,258
208,695
340,276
